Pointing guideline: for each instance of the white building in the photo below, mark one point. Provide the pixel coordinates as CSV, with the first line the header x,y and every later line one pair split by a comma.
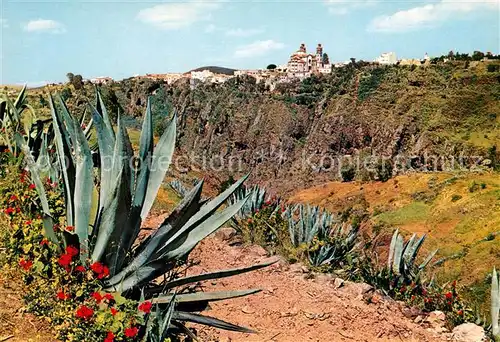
x,y
387,58
202,75
101,80
302,64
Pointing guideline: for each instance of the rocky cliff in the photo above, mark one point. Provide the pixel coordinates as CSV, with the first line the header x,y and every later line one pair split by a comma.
x,y
302,133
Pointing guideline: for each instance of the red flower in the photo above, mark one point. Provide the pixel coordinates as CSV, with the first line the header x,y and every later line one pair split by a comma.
x,y
109,297
460,313
97,296
80,268
84,126
28,222
13,198
65,260
9,211
84,312
63,296
131,332
97,267
44,242
448,295
70,228
113,311
72,251
32,186
25,264
145,307
454,284
110,337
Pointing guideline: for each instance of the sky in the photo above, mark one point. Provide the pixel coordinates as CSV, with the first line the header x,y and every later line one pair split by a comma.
x,y
41,41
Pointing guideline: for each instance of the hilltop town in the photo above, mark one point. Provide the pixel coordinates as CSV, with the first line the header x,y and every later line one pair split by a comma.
x,y
300,65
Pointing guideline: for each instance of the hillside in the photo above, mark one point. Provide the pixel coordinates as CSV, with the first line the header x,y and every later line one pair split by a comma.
x,y
304,130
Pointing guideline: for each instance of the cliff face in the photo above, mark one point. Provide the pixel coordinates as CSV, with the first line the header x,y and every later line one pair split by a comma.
x,y
298,135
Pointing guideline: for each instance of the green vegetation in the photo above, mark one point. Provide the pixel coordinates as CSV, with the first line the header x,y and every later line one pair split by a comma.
x,y
101,220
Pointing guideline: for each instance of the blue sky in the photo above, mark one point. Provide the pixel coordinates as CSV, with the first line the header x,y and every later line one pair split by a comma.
x,y
43,40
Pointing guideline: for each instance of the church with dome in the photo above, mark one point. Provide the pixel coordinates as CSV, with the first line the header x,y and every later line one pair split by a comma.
x,y
302,64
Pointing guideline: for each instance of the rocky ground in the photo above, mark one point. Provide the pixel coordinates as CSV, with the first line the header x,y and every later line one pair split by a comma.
x,y
294,305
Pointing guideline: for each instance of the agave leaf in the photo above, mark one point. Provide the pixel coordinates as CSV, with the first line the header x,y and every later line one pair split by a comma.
x,y
104,113
495,303
20,97
48,231
210,321
145,153
62,152
398,254
205,212
427,260
83,190
215,275
177,247
181,244
392,249
108,221
185,209
106,142
123,233
162,157
204,296
415,249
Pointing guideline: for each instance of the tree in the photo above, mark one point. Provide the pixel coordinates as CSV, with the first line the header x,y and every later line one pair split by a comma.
x,y
326,59
70,77
348,173
477,56
451,54
77,82
353,60
271,67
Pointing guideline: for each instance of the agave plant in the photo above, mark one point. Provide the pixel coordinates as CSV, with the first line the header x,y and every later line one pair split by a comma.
x,y
401,262
334,245
256,200
305,222
495,304
123,197
12,117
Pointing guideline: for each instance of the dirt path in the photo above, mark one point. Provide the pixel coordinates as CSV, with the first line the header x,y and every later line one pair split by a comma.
x,y
293,308
16,326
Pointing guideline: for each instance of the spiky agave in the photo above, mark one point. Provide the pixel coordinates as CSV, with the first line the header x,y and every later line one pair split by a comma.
x,y
335,245
124,198
495,304
305,222
401,262
256,200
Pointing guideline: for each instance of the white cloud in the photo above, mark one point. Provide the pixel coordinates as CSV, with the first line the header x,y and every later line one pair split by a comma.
x,y
173,16
343,7
258,48
430,15
44,25
239,32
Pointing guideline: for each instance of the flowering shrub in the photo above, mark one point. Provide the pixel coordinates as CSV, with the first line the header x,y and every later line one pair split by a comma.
x,y
58,286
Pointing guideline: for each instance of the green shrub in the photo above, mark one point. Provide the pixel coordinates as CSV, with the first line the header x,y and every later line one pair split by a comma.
x,y
348,173
456,197
384,170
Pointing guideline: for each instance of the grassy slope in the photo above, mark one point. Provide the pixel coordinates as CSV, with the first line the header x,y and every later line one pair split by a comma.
x,y
423,203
